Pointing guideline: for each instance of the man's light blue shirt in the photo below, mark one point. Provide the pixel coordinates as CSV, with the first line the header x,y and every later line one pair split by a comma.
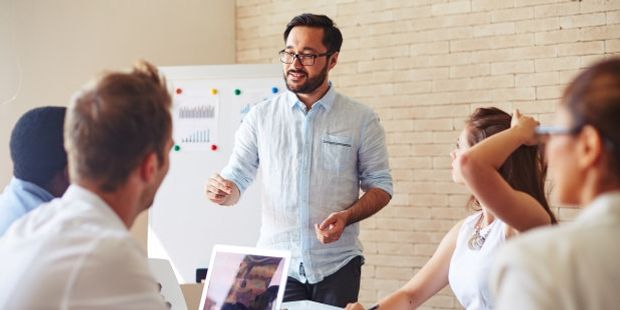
x,y
19,198
312,163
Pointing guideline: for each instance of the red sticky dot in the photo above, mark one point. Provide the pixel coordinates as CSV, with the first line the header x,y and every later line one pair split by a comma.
x,y
179,91
213,147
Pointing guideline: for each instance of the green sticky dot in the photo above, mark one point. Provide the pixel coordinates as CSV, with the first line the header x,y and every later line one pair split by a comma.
x,y
177,148
237,91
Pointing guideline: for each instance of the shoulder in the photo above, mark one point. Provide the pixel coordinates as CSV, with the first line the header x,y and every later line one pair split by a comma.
x,y
118,247
263,110
270,103
538,250
352,106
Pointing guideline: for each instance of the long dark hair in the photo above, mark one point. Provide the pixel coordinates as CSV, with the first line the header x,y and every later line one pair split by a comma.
x,y
525,169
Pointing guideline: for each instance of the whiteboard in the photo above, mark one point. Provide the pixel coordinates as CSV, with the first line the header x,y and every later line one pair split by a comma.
x,y
208,105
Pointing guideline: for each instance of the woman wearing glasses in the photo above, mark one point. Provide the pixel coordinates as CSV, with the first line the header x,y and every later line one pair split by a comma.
x,y
498,160
575,266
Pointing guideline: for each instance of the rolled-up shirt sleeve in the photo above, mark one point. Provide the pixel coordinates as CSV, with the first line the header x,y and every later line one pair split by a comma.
x,y
243,163
373,164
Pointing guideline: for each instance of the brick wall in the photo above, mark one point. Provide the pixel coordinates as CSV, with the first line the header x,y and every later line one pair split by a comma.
x,y
424,66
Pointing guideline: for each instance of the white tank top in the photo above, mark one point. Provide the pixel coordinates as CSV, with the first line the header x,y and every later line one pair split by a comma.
x,y
469,269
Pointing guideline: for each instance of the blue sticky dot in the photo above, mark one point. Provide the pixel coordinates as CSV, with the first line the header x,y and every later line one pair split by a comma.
x,y
274,90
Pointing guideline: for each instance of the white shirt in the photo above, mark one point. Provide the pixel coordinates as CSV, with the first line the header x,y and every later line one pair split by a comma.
x,y
469,269
571,266
313,162
74,253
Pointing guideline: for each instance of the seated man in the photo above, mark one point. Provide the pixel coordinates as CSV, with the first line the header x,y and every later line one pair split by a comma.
x,y
76,252
39,164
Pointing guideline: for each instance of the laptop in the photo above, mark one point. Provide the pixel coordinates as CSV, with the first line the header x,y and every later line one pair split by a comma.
x,y
245,278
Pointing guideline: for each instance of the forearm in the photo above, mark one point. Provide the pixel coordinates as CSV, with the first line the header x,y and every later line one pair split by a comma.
x,y
370,203
398,300
494,150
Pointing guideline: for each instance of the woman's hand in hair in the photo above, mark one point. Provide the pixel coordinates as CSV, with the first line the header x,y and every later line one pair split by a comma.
x,y
525,126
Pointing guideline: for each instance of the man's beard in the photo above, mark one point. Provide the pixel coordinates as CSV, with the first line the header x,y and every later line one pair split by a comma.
x,y
310,85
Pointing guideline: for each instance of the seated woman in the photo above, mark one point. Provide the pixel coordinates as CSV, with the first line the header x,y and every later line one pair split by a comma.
x,y
501,165
574,265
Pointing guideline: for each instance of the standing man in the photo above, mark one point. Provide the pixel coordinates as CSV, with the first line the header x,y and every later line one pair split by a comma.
x,y
76,252
316,148
39,164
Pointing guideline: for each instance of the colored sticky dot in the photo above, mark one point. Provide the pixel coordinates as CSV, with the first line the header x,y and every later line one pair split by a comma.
x,y
237,92
213,91
178,91
274,90
177,147
213,147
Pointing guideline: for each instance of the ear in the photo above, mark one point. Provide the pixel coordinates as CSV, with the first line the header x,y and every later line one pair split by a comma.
x,y
333,60
148,167
589,147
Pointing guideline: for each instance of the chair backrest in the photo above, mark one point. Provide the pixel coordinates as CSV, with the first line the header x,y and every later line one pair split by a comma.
x,y
170,289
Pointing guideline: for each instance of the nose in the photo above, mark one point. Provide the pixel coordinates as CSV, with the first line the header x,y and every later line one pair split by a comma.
x,y
297,62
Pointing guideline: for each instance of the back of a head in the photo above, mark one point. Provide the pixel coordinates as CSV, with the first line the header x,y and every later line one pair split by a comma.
x,y
332,37
36,145
593,98
114,124
524,169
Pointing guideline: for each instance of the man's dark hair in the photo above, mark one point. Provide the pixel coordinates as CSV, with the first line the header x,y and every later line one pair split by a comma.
x,y
332,38
36,145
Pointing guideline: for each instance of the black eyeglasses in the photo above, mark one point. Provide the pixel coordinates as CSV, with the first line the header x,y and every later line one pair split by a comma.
x,y
304,59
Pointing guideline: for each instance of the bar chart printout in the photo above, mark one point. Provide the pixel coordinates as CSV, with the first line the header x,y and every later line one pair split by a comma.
x,y
195,116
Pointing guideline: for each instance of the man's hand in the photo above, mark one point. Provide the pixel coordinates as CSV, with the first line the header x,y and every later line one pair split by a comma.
x,y
332,227
221,191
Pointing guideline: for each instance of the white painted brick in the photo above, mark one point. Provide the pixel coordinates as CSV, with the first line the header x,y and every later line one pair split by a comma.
x,y
557,36
582,48
535,107
536,79
599,33
534,2
494,29
489,5
549,92
556,64
513,54
430,48
451,8
512,67
588,20
512,14
470,70
613,17
598,6
537,25
561,9
612,46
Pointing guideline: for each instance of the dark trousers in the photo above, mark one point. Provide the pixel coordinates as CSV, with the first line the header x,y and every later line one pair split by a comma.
x,y
338,289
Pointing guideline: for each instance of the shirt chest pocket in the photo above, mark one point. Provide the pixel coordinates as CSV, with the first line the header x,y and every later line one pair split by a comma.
x,y
338,152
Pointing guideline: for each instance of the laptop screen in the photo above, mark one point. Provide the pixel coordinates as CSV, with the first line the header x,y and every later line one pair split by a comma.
x,y
244,278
